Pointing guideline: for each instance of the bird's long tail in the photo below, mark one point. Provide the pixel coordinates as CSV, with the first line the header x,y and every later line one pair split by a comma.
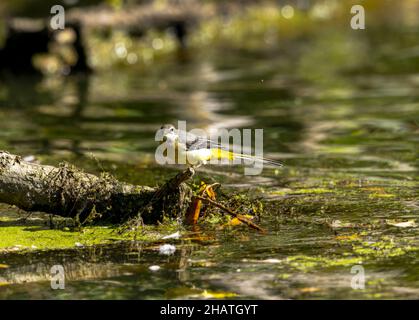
x,y
263,160
223,154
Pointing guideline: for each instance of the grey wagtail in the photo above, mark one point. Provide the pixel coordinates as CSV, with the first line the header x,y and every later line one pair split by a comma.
x,y
197,150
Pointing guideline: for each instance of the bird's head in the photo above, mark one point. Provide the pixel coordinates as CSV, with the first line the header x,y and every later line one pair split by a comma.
x,y
170,134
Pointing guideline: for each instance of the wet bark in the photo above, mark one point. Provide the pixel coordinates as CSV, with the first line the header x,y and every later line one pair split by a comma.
x,y
69,192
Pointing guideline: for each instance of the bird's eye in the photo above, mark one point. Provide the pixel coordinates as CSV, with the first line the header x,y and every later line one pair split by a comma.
x,y
172,129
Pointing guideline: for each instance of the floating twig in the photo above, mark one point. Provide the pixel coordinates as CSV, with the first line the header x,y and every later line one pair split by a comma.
x,y
233,214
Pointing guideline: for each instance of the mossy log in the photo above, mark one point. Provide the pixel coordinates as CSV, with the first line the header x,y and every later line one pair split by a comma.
x,y
69,192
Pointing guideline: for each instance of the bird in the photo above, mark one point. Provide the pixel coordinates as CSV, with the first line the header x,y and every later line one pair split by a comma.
x,y
198,150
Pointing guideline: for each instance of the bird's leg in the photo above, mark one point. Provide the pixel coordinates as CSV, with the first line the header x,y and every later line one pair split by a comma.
x,y
200,163
195,166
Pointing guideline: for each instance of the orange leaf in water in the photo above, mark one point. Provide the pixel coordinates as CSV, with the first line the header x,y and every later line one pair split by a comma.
x,y
236,221
193,212
210,192
196,207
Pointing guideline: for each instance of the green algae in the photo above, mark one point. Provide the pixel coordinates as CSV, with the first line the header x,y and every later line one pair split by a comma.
x,y
359,253
19,233
24,237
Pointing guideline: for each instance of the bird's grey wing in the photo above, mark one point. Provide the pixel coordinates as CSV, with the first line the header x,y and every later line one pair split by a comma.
x,y
198,143
194,142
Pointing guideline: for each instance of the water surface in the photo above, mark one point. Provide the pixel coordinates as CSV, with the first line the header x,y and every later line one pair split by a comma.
x,y
349,142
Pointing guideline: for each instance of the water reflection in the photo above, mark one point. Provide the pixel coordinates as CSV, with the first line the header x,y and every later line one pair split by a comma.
x,y
344,125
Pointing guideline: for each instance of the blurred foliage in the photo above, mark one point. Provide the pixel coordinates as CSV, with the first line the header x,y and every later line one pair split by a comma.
x,y
320,29
39,8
